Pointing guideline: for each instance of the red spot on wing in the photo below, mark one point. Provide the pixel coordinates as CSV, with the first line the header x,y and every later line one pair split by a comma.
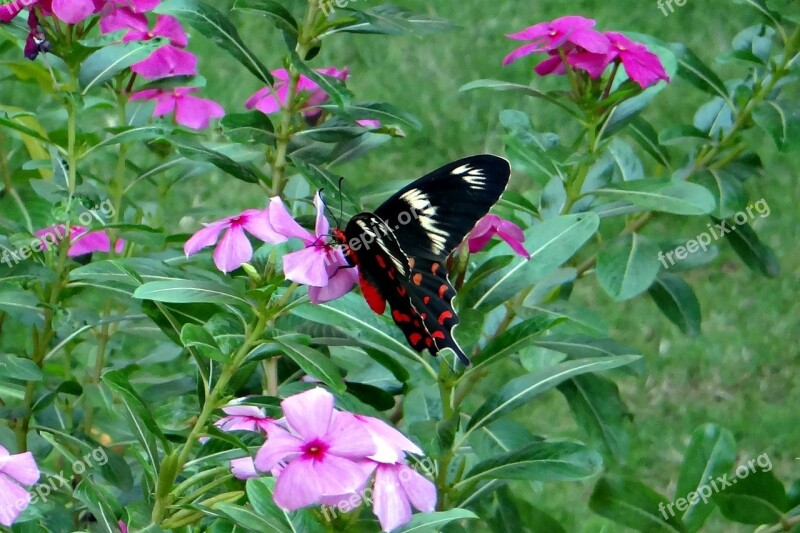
x,y
373,296
390,273
444,316
400,316
438,335
414,338
428,342
417,279
426,299
401,290
435,268
380,260
442,290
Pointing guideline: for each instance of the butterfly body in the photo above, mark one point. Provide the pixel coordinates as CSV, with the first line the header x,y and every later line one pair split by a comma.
x,y
401,248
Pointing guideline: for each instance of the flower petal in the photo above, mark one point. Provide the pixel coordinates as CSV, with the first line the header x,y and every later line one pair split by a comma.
x,y
309,413
196,113
348,437
337,475
338,285
297,486
170,27
73,11
233,249
390,443
307,266
283,223
13,500
322,226
243,468
256,222
280,446
20,467
205,237
522,51
420,490
390,504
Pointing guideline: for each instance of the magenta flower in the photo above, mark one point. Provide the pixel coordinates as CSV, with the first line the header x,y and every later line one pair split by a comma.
x,y
190,111
244,418
321,449
16,472
643,66
124,14
271,99
369,123
72,11
549,36
82,240
234,248
319,265
492,225
169,60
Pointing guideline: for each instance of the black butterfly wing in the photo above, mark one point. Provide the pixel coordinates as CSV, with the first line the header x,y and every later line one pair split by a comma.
x,y
432,215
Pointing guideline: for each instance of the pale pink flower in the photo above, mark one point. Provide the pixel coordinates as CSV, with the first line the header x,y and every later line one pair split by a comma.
x,y
321,449
244,418
243,468
397,487
16,472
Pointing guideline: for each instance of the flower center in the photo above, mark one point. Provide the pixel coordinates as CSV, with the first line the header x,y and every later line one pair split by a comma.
x,y
315,449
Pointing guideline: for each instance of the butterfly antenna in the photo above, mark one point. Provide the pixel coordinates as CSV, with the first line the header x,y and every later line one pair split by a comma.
x,y
341,199
330,213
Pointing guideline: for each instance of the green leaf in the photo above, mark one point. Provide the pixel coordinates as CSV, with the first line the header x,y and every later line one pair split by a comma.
x,y
260,495
755,498
247,518
22,306
664,195
13,367
386,113
598,408
253,127
728,191
134,135
216,26
680,134
627,266
692,69
519,391
540,461
647,137
275,12
189,291
780,120
513,340
427,522
109,61
677,301
314,363
500,437
711,453
551,243
583,346
756,255
388,19
633,504
198,152
195,336
498,85
100,502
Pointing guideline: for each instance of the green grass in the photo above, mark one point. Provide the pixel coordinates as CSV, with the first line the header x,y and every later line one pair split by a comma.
x,y
740,371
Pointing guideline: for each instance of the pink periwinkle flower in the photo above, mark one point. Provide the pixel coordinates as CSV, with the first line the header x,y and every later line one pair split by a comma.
x,y
243,468
549,36
369,123
124,14
321,449
319,265
643,66
244,418
234,249
190,111
82,240
169,60
492,225
16,472
271,99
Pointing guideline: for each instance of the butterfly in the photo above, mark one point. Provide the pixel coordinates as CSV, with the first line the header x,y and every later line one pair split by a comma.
x,y
401,248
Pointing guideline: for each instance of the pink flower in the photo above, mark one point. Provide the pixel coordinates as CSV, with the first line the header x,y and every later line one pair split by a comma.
x,y
190,111
169,60
123,14
369,123
390,444
72,11
82,240
244,418
243,468
548,36
397,487
16,472
492,225
321,450
234,248
319,265
643,66
271,99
